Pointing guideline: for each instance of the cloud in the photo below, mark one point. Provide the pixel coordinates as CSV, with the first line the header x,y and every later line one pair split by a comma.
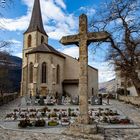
x,y
17,24
18,55
14,41
106,71
72,51
57,22
61,3
89,11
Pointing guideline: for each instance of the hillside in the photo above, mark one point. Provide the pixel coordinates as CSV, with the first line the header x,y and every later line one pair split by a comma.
x,y
10,73
108,87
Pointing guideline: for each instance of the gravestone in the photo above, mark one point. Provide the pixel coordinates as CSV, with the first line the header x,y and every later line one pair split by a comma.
x,y
75,101
41,101
96,100
59,100
23,102
82,40
33,100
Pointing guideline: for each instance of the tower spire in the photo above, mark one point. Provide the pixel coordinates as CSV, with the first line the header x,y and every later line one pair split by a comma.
x,y
36,23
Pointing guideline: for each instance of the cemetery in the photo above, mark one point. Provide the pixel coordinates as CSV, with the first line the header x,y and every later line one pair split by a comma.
x,y
59,95
45,116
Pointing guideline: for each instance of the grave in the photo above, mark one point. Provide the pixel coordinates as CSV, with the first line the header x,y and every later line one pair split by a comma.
x,y
23,102
96,100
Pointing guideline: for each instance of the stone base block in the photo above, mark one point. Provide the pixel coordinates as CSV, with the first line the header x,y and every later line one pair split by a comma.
x,y
83,128
83,131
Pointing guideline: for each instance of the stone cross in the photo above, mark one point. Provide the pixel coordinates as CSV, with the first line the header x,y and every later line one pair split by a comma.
x,y
83,39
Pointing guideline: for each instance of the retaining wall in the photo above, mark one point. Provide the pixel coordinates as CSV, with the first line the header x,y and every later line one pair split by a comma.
x,y
135,100
7,97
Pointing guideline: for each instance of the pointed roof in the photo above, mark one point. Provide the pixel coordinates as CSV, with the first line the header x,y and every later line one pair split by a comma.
x,y
45,48
36,23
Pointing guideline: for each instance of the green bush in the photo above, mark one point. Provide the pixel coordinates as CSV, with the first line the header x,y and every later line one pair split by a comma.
x,y
40,123
24,123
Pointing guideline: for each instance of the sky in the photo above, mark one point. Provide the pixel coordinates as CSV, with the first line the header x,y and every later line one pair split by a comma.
x,y
60,18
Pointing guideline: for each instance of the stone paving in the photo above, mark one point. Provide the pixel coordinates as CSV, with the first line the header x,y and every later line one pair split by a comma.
x,y
109,134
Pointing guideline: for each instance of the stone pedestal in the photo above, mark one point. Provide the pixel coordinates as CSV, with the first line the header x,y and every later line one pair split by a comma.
x,y
82,128
83,131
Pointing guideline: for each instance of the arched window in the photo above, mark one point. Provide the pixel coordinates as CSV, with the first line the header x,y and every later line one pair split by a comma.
x,y
29,41
42,39
44,71
58,74
31,72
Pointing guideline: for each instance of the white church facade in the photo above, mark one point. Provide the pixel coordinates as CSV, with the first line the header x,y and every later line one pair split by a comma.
x,y
45,70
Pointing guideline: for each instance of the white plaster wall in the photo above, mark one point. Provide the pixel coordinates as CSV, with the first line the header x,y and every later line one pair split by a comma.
x,y
71,68
92,81
133,91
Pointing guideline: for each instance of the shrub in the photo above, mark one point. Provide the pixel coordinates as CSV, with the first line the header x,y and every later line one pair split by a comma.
x,y
40,123
24,123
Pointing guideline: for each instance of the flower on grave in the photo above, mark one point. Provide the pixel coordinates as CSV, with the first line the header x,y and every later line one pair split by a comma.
x,y
24,123
40,123
65,120
73,114
53,114
64,115
56,110
32,110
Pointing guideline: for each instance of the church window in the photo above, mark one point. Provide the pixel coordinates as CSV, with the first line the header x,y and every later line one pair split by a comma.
x,y
29,41
42,39
58,74
31,72
44,71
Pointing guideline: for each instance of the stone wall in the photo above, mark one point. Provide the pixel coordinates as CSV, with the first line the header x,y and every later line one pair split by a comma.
x,y
8,97
135,100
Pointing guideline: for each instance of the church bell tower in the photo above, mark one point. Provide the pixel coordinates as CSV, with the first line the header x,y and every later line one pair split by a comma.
x,y
34,36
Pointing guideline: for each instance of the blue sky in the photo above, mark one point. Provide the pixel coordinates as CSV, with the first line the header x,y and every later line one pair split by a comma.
x,y
60,18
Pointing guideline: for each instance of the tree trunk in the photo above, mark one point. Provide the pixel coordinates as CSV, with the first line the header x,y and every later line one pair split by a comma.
x,y
125,86
136,82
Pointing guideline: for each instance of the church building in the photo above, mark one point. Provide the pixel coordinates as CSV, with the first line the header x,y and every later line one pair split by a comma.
x,y
45,70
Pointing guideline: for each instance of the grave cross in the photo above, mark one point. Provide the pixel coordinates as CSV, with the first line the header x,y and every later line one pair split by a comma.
x,y
83,39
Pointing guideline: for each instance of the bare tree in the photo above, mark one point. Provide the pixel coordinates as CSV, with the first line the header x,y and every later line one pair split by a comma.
x,y
121,19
